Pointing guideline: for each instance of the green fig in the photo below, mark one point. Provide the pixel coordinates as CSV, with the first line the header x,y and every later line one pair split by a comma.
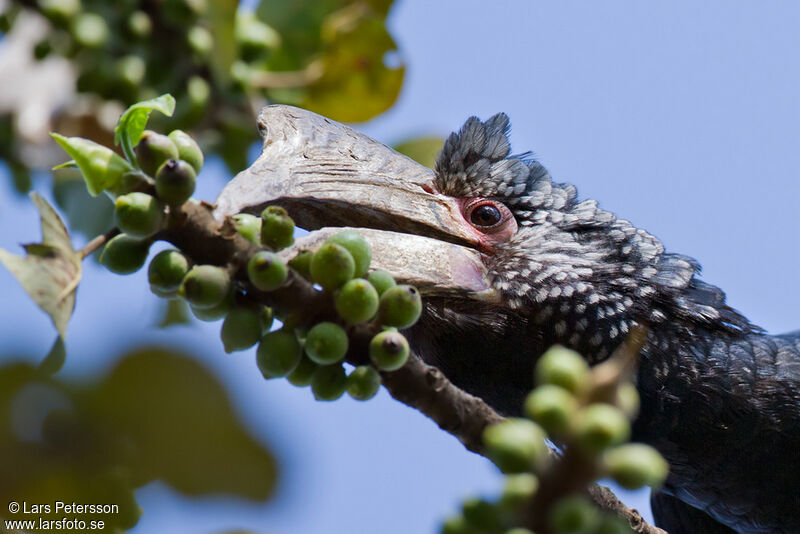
x,y
266,270
125,254
357,246
205,286
139,214
389,350
277,228
152,150
175,181
167,270
331,266
400,306
188,149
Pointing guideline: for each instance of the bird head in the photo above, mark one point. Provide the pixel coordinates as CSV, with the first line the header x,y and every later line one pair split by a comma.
x,y
508,261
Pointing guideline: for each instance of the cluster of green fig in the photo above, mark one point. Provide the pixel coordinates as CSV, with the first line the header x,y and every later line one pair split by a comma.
x,y
133,50
116,54
158,177
340,266
171,163
562,408
220,59
306,357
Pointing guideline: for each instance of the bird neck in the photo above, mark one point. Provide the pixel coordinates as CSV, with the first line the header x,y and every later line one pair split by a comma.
x,y
593,326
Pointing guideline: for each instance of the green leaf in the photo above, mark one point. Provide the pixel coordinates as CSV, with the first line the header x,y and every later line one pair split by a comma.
x,y
221,18
352,64
71,164
52,269
37,249
298,22
357,81
85,214
56,451
55,359
20,174
423,150
174,312
102,168
157,415
182,426
134,120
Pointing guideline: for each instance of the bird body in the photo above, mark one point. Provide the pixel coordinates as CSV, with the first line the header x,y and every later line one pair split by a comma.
x,y
720,398
523,265
723,410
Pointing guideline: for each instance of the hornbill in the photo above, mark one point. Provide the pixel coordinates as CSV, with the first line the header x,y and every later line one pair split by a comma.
x,y
510,263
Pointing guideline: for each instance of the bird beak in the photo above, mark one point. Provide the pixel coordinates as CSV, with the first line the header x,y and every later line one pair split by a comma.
x,y
328,175
436,268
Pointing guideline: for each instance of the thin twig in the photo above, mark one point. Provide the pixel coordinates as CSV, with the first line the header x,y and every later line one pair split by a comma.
x,y
97,242
288,79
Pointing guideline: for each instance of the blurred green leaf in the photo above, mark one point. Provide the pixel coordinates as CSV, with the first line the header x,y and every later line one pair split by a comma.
x,y
101,167
254,37
51,453
182,426
86,214
423,150
359,80
55,359
175,311
158,414
52,269
134,120
299,23
20,176
341,49
232,138
221,19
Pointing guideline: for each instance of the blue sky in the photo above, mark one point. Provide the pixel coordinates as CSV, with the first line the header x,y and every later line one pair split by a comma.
x,y
682,117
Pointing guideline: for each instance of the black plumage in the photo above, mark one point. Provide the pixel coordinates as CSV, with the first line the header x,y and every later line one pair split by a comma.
x,y
720,397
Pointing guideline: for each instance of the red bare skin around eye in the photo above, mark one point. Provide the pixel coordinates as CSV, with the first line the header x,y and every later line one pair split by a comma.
x,y
489,236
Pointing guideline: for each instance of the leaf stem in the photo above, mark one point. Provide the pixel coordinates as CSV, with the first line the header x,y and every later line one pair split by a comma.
x,y
127,149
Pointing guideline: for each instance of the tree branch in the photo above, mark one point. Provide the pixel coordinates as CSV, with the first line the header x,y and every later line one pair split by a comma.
x,y
464,416
418,385
426,389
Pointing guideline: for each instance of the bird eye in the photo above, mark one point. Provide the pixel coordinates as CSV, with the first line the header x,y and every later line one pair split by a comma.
x,y
491,219
485,214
